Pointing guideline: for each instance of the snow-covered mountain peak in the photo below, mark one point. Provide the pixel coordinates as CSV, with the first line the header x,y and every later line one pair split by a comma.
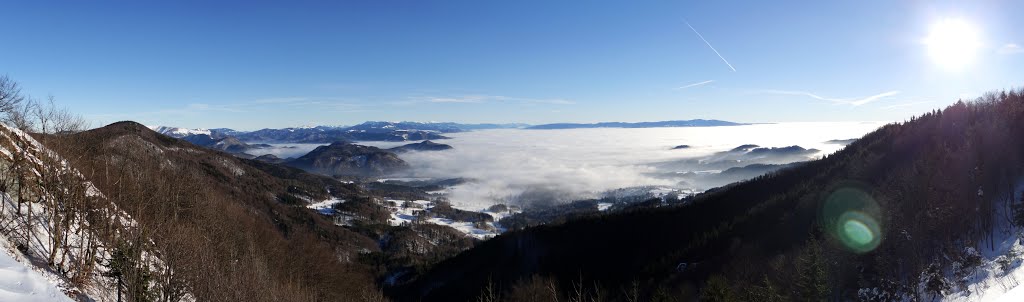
x,y
179,132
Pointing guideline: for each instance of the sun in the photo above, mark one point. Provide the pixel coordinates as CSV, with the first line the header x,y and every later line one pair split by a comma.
x,y
952,43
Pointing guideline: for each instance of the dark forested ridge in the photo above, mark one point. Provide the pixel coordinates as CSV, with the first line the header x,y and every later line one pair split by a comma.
x,y
921,190
343,158
234,229
223,225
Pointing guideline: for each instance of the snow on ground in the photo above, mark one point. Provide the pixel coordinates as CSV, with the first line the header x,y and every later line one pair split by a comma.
x,y
407,214
467,228
179,132
1000,277
401,214
653,191
21,282
1014,295
98,289
990,282
325,207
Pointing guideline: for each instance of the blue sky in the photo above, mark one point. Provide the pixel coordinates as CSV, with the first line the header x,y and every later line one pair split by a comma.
x,y
251,64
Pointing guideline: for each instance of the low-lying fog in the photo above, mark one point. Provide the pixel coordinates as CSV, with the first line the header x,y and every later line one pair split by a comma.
x,y
513,165
287,150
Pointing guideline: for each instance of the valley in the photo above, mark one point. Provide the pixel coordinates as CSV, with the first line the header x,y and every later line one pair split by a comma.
x,y
512,151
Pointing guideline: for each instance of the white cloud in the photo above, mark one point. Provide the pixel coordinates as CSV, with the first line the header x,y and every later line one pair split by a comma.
x,y
463,99
702,83
841,101
476,99
1010,49
286,100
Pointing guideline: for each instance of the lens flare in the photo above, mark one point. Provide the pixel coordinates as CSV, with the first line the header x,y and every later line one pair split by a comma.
x,y
849,215
858,231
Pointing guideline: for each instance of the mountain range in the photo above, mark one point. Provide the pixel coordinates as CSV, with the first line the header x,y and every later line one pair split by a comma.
x,y
400,131
340,158
367,131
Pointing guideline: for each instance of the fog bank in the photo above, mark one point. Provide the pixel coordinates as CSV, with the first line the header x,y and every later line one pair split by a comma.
x,y
525,166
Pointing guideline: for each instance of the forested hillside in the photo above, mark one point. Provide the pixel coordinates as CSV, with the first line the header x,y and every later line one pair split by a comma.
x,y
895,209
224,227
232,229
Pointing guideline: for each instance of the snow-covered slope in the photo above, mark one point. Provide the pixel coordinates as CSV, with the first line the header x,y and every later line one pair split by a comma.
x,y
998,278
1014,295
20,281
51,244
27,223
179,132
1000,275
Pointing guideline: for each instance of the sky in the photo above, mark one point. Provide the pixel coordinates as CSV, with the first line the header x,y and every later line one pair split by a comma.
x,y
250,64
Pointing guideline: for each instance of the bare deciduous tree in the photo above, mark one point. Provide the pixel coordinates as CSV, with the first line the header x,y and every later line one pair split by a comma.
x,y
10,94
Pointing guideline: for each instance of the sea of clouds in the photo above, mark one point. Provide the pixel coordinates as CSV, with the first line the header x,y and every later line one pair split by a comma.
x,y
517,165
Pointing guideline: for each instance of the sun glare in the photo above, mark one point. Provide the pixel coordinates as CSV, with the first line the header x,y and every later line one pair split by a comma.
x,y
952,43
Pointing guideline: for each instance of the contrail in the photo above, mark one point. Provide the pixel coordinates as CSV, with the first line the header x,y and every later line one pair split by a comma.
x,y
709,45
846,101
695,84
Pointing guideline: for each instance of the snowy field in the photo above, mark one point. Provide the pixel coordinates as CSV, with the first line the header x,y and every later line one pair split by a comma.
x,y
401,214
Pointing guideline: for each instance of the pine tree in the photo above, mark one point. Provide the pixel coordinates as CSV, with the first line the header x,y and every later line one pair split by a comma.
x,y
115,270
1018,211
764,293
131,277
812,279
717,290
934,280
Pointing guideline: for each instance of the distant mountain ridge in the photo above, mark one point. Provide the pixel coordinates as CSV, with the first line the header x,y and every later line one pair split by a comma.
x,y
178,132
442,127
326,135
209,138
402,131
661,124
367,131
